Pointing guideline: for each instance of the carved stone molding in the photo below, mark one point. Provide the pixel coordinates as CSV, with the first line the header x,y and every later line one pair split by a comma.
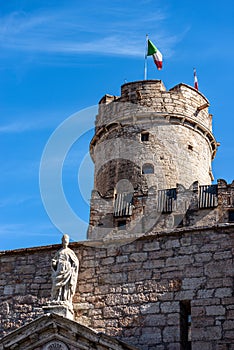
x,y
55,345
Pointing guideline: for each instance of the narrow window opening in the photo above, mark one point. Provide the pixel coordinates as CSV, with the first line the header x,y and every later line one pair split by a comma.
x,y
185,324
121,224
231,216
144,136
190,147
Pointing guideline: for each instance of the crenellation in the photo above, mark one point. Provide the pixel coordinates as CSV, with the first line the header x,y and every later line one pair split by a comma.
x,y
176,140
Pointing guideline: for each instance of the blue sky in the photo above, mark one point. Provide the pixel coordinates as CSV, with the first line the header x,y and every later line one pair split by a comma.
x,y
60,57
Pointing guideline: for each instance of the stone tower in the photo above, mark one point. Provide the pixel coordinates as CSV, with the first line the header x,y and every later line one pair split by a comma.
x,y
157,272
147,141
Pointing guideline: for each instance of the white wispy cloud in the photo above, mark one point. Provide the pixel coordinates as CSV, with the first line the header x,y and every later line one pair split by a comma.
x,y
114,31
19,22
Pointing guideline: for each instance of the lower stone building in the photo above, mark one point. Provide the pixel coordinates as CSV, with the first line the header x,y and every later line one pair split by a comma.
x,y
161,291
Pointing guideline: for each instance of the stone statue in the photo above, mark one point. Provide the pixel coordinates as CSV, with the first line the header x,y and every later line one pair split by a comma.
x,y
65,266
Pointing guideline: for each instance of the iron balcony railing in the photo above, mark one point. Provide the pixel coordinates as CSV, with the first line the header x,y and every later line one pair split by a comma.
x,y
208,196
123,204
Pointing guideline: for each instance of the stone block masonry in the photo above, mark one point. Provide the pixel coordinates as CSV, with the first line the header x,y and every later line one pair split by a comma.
x,y
151,140
179,133
135,291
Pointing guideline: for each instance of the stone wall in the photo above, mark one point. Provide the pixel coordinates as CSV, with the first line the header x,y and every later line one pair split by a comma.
x,y
135,291
179,148
173,150
177,138
196,206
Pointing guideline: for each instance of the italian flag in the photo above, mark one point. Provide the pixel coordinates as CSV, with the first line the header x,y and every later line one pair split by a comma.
x,y
157,56
195,79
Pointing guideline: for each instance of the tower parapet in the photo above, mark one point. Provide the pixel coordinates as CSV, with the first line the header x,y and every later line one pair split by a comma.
x,y
152,96
146,140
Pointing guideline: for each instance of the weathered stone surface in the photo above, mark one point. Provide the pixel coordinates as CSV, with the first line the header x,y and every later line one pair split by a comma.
x,y
135,299
56,332
141,281
206,334
171,334
217,310
179,132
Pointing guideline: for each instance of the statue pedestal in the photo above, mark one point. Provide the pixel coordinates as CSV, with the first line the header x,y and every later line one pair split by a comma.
x,y
59,308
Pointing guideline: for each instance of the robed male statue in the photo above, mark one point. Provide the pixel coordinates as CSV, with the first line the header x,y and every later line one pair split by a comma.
x,y
65,266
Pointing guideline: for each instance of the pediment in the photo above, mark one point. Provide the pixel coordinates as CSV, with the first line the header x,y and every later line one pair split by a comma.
x,y
54,332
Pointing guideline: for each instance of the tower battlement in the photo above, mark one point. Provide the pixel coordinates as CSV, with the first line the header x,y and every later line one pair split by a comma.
x,y
152,96
148,140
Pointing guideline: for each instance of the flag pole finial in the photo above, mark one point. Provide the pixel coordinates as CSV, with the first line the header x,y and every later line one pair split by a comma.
x,y
145,64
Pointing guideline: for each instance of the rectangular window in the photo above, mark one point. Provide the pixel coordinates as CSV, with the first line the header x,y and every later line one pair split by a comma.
x,y
121,224
144,136
147,169
185,324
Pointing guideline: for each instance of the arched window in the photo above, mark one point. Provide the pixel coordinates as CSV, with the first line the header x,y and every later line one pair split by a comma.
x,y
147,169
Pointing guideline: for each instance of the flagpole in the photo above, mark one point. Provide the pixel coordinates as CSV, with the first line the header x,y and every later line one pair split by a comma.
x,y
145,66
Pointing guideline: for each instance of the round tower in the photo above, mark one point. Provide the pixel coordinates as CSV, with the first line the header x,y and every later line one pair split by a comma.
x,y
148,139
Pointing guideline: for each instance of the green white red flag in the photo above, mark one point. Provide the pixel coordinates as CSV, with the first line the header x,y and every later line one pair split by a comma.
x,y
157,56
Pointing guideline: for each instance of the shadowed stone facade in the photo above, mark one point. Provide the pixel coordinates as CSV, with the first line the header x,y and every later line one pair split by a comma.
x,y
135,291
53,332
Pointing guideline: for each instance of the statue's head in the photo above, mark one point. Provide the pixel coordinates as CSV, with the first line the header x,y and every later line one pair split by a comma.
x,y
65,240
